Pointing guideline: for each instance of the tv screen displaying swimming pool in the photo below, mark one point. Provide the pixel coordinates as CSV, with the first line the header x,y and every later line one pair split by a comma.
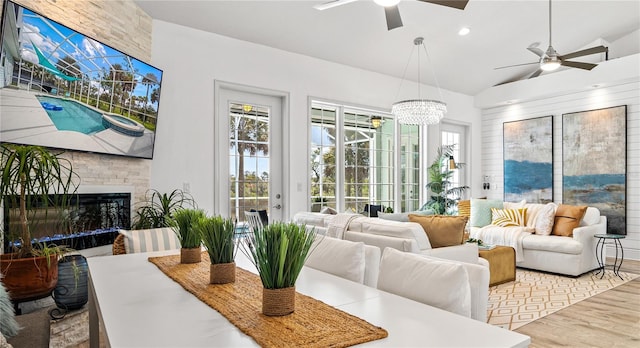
x,y
62,89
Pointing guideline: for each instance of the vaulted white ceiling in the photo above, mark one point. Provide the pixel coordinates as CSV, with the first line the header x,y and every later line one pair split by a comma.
x,y
355,34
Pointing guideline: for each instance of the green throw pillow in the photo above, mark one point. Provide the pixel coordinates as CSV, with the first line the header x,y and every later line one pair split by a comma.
x,y
481,211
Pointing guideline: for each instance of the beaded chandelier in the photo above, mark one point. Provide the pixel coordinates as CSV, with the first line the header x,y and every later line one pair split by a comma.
x,y
419,111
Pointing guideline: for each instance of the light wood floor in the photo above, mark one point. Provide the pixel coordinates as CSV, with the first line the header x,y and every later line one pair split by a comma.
x,y
610,319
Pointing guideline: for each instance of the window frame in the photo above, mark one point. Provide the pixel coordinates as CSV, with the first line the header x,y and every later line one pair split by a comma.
x,y
395,168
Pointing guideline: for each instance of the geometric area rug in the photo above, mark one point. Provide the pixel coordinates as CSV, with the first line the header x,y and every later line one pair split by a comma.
x,y
534,295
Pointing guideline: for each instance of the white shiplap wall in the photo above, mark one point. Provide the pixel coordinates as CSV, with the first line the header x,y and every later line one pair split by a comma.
x,y
623,93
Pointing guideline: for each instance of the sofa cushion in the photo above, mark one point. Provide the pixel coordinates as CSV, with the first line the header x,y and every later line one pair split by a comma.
x,y
481,211
442,230
439,283
339,257
402,217
372,255
313,219
558,244
407,230
508,217
591,217
545,219
155,239
403,244
567,218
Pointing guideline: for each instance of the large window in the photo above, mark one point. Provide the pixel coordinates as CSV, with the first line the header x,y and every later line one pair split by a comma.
x,y
354,160
323,158
410,168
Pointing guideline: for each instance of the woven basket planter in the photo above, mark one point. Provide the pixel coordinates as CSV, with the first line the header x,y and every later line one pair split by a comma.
x,y
222,273
278,302
190,255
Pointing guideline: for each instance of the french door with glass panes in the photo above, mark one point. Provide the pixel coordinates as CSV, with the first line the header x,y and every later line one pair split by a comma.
x,y
249,154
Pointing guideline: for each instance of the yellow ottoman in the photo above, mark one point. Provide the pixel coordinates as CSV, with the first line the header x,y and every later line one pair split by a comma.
x,y
502,264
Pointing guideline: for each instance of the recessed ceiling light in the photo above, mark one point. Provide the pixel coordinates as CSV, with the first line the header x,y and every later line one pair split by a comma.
x,y
387,3
464,31
596,85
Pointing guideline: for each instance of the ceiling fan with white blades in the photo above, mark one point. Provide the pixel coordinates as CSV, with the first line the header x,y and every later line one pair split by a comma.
x,y
551,60
391,11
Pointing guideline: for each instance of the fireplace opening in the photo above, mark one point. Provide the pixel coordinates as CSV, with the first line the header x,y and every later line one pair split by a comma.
x,y
90,220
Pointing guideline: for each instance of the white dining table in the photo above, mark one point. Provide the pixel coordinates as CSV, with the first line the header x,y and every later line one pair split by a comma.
x,y
137,305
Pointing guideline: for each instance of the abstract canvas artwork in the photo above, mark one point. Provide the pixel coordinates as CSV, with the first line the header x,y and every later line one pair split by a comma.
x,y
528,160
594,162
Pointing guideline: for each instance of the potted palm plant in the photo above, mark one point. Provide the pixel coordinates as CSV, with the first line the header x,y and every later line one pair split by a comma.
x,y
33,181
157,209
184,221
278,251
217,236
444,196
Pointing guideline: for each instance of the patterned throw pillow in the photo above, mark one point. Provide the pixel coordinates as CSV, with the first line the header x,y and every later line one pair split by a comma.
x,y
155,239
508,217
464,207
545,219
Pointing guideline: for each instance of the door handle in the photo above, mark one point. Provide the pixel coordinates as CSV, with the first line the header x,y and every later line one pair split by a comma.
x,y
277,206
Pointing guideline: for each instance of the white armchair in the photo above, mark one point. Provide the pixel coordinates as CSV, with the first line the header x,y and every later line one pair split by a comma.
x,y
458,287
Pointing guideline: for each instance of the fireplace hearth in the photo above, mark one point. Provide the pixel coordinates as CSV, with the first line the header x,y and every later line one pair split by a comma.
x,y
91,220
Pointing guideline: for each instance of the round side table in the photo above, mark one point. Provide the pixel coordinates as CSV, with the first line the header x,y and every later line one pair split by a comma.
x,y
602,241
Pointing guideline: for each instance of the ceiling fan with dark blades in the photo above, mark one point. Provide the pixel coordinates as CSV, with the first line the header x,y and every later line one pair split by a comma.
x,y
391,11
550,59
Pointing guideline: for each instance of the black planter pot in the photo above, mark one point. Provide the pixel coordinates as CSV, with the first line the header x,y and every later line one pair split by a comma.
x,y
71,291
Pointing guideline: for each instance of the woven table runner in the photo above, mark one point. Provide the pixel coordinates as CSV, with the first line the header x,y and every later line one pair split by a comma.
x,y
313,324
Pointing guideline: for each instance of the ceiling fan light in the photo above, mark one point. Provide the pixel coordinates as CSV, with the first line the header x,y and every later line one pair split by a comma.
x,y
549,65
387,3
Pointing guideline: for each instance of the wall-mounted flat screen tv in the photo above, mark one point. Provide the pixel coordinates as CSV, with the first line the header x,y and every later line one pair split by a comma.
x,y
62,89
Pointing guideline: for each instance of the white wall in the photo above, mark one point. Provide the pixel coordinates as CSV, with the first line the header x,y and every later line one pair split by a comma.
x,y
193,59
622,88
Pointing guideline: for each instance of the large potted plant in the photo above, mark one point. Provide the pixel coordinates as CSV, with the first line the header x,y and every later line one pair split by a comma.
x,y
218,237
35,181
184,221
278,251
444,196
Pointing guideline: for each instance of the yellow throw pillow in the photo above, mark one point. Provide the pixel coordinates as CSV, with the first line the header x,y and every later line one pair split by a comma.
x,y
567,218
442,230
464,208
508,217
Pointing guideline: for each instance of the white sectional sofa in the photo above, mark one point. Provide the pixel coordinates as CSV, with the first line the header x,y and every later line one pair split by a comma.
x,y
571,256
403,236
411,238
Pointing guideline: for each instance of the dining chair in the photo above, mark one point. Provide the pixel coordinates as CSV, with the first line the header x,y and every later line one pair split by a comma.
x,y
254,221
